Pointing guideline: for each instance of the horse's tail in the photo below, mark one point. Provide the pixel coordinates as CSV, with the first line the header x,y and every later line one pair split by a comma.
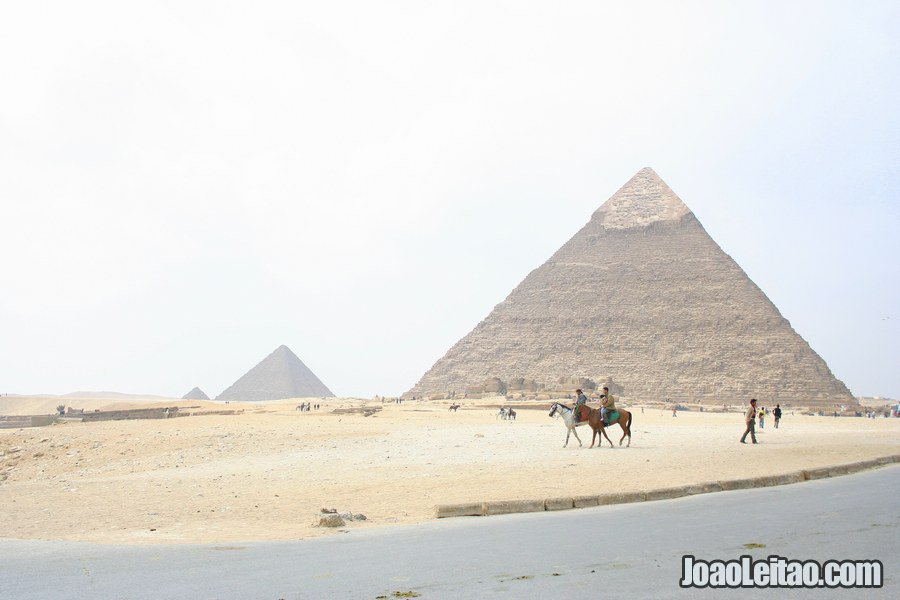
x,y
628,424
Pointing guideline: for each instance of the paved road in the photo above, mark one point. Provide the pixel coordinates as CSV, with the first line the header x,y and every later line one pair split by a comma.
x,y
628,551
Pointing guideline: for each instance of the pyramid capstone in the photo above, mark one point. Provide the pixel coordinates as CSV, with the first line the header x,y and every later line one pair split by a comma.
x,y
644,295
645,199
280,375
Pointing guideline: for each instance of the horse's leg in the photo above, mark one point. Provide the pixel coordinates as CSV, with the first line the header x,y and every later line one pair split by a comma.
x,y
593,436
626,431
575,431
568,433
603,431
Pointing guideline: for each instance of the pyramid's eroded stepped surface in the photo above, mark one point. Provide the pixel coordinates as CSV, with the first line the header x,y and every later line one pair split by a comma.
x,y
642,294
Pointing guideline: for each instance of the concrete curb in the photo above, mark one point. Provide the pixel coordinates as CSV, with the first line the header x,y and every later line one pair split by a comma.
x,y
584,501
559,503
504,507
471,509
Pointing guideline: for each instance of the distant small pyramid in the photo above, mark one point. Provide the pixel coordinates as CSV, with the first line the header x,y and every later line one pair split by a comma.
x,y
195,394
279,375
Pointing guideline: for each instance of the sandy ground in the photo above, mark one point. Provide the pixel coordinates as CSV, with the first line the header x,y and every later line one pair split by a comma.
x,y
264,474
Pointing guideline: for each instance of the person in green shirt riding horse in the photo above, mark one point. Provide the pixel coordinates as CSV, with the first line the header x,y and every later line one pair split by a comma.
x,y
607,405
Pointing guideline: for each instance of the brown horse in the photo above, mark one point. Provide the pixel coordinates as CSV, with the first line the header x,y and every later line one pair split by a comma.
x,y
592,416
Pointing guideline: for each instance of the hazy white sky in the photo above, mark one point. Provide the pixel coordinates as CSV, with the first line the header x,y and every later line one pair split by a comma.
x,y
184,186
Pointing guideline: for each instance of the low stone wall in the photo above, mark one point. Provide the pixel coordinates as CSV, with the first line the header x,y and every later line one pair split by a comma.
x,y
20,421
121,415
16,421
500,507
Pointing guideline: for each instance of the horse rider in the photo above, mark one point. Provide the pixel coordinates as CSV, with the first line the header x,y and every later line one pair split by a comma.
x,y
579,401
607,404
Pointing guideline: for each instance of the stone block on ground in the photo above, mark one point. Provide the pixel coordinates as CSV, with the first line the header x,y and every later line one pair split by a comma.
x,y
330,520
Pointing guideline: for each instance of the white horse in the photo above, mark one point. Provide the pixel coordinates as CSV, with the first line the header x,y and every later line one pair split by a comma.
x,y
501,414
568,416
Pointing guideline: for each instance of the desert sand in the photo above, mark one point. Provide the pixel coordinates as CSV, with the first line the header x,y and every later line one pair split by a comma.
x,y
264,474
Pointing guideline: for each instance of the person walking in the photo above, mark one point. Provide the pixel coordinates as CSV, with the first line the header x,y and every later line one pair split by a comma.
x,y
750,419
777,414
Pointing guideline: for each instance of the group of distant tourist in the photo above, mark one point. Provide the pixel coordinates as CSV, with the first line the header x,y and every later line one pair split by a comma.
x,y
397,400
764,412
306,406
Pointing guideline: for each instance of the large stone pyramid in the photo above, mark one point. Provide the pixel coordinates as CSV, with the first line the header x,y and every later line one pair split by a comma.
x,y
642,294
195,394
280,375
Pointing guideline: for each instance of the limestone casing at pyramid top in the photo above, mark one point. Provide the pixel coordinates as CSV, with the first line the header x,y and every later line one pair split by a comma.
x,y
644,200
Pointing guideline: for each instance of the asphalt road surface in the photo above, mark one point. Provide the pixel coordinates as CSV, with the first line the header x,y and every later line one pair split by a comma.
x,y
626,551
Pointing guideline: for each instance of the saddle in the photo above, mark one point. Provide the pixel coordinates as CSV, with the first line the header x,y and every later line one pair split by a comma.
x,y
610,417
